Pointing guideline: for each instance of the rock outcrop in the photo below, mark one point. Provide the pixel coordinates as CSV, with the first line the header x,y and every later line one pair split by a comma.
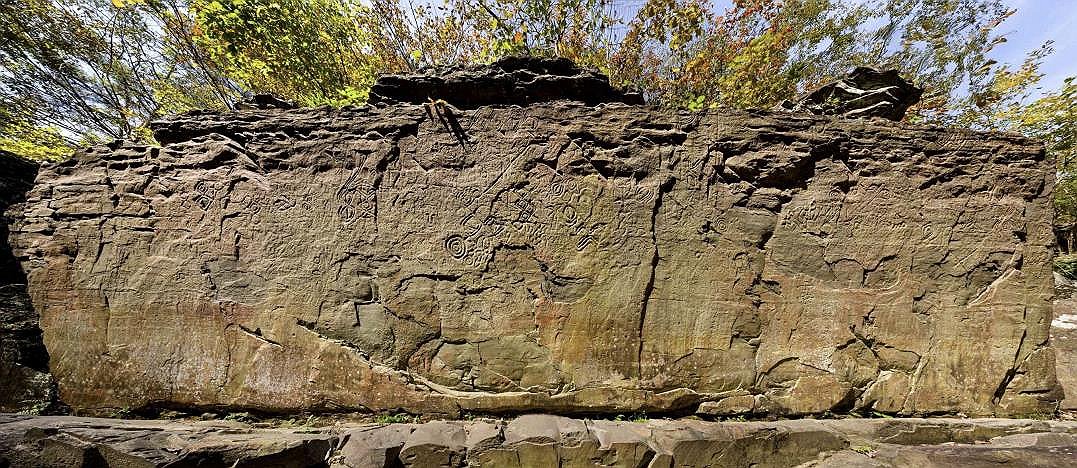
x,y
454,257
865,92
540,442
25,382
512,80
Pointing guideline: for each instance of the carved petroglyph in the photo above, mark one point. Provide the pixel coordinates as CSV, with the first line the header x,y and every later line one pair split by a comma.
x,y
204,194
283,203
357,196
571,258
456,246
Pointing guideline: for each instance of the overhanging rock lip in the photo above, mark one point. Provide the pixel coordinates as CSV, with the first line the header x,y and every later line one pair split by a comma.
x,y
186,126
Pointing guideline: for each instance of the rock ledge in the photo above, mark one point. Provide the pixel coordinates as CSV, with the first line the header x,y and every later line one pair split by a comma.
x,y
514,80
540,441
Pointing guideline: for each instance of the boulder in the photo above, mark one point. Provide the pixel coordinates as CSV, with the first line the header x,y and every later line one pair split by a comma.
x,y
480,256
865,92
509,81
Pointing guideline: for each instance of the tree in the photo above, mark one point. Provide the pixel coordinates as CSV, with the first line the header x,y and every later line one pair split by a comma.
x,y
94,69
312,51
75,67
20,135
194,79
81,71
758,52
1052,119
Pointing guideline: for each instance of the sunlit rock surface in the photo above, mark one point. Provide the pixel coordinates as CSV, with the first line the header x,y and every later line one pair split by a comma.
x,y
564,256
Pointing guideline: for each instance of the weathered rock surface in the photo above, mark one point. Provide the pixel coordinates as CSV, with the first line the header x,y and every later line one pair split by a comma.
x,y
556,257
72,442
540,441
25,383
865,92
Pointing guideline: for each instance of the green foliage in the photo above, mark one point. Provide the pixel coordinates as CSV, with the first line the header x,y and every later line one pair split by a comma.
x,y
581,30
75,66
863,449
638,417
20,136
307,50
1066,265
943,45
37,409
1053,120
395,418
80,71
756,53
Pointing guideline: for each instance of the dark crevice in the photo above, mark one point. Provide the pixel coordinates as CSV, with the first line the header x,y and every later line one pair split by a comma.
x,y
648,289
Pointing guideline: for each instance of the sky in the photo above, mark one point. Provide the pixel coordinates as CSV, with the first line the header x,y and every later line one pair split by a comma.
x,y
1035,22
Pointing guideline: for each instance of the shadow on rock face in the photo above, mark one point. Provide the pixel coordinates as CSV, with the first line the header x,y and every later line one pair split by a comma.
x,y
25,382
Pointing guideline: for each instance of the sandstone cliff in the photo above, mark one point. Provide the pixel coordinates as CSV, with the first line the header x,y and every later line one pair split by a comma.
x,y
563,256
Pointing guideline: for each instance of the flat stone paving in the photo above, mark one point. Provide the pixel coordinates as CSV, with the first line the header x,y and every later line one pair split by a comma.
x,y
539,441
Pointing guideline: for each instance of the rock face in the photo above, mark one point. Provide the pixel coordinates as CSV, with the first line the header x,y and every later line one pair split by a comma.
x,y
25,383
866,92
540,442
556,257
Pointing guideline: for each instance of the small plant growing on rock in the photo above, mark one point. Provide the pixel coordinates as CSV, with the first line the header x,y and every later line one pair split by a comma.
x,y
1039,416
36,410
299,423
243,417
398,418
868,450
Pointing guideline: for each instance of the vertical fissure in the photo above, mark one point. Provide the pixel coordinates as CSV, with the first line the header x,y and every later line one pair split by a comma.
x,y
664,187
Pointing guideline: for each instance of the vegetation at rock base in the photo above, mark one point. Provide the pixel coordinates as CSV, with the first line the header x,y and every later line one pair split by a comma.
x,y
1066,265
80,71
395,418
